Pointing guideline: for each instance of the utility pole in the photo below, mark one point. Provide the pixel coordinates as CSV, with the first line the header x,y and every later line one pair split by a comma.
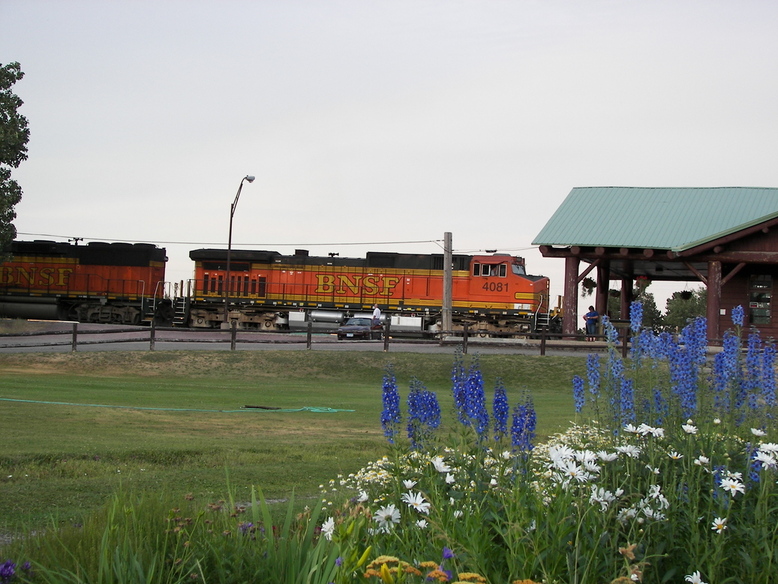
x,y
447,321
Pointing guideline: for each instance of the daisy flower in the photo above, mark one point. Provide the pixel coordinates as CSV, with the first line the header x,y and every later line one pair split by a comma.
x,y
440,465
416,500
719,524
387,517
765,459
629,450
733,486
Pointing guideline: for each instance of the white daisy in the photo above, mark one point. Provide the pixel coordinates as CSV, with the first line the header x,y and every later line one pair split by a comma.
x,y
719,524
387,517
733,486
440,464
416,500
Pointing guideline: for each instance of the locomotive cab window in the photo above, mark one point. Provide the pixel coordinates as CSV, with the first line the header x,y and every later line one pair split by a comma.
x,y
489,270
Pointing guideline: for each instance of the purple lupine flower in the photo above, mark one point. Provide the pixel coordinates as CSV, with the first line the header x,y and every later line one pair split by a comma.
x,y
726,372
627,402
635,316
768,374
423,414
458,378
475,400
593,373
661,407
686,362
738,316
611,334
579,396
391,418
447,553
523,428
7,571
500,410
753,370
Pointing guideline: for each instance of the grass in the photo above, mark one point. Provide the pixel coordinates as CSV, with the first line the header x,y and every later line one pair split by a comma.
x,y
175,423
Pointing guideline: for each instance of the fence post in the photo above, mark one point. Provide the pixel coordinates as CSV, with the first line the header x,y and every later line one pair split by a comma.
x,y
387,326
309,335
543,343
74,341
464,339
233,334
153,334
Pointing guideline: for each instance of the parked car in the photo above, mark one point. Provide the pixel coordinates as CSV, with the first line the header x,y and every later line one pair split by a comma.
x,y
359,328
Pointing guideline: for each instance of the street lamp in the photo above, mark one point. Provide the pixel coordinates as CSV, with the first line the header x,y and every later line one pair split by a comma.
x,y
227,287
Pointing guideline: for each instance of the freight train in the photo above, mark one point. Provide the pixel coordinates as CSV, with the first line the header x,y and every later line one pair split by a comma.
x,y
265,290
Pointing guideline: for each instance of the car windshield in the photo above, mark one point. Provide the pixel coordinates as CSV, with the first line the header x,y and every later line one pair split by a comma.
x,y
358,322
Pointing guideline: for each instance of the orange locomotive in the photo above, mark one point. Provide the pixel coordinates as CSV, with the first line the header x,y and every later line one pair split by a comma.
x,y
492,294
98,282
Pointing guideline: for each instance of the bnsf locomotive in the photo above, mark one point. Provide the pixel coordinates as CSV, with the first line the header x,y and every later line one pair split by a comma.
x,y
98,282
265,290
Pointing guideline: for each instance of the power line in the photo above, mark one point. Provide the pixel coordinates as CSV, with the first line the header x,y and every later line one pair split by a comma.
x,y
221,243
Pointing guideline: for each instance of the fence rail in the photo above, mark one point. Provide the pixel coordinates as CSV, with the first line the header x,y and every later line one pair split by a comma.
x,y
75,335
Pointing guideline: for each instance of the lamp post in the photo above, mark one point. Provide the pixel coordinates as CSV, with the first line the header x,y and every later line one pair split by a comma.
x,y
227,287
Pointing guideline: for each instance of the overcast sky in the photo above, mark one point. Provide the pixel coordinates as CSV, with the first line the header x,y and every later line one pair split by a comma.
x,y
378,123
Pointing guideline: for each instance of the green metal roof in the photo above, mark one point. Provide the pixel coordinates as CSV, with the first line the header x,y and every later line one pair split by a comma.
x,y
659,218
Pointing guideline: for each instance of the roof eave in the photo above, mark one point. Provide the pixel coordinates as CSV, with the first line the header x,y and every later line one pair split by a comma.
x,y
738,232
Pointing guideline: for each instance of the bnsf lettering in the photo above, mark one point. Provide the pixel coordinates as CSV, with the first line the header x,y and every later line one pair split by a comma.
x,y
345,284
20,276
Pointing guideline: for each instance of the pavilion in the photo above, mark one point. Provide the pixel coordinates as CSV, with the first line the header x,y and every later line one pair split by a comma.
x,y
724,237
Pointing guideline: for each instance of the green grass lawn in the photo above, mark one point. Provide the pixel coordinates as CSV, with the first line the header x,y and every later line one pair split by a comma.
x,y
175,420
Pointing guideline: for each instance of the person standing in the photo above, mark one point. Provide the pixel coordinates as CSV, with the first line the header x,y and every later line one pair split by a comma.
x,y
376,315
592,318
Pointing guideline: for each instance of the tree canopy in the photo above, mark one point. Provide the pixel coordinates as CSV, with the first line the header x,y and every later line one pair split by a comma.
x,y
14,135
685,306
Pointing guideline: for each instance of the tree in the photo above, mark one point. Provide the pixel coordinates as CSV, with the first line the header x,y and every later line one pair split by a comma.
x,y
652,318
684,306
14,135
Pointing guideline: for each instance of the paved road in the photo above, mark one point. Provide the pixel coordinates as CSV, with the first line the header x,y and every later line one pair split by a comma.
x,y
59,337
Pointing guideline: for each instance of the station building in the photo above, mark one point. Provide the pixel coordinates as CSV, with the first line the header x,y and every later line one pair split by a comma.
x,y
726,238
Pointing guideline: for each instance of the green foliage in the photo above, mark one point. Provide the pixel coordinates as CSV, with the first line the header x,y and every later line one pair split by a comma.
x,y
14,135
652,317
684,306
155,539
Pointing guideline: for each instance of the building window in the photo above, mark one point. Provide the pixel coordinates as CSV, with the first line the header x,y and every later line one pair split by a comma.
x,y
760,292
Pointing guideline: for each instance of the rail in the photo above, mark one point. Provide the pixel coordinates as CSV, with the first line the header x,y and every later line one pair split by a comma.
x,y
70,336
